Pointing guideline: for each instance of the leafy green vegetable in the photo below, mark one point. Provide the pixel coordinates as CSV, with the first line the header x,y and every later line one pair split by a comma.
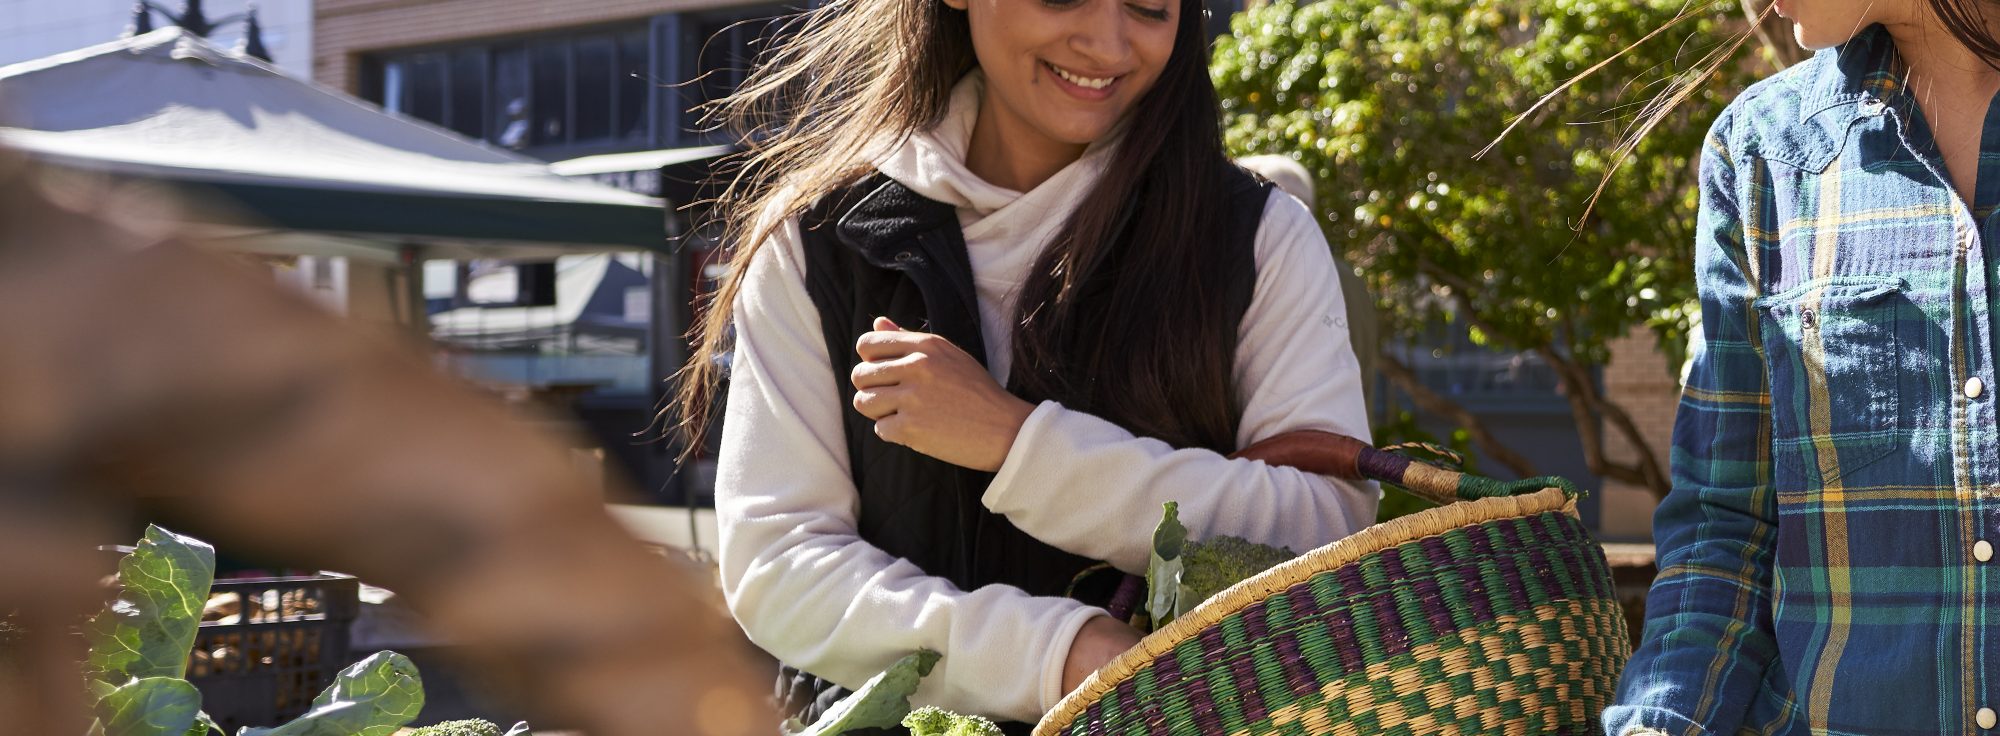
x,y
148,631
882,702
150,706
1163,571
372,697
1212,565
931,720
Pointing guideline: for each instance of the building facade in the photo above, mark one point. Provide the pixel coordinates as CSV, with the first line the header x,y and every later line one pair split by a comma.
x,y
32,29
553,79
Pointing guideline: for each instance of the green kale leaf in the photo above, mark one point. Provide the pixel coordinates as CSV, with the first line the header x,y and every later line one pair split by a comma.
x,y
882,702
148,631
372,697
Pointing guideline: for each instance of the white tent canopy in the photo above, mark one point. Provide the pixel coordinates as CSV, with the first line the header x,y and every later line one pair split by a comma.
x,y
169,105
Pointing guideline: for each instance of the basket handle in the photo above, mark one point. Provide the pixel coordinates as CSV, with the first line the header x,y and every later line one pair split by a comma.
x,y
1340,456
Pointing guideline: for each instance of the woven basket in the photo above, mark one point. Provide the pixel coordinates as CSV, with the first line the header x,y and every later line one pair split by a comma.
x,y
1492,614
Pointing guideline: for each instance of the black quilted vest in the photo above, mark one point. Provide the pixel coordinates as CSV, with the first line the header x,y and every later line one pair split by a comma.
x,y
877,248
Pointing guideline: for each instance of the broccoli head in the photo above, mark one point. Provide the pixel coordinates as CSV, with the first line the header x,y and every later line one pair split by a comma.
x,y
468,727
1212,565
931,720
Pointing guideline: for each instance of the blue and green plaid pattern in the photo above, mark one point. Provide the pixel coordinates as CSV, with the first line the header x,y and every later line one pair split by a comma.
x,y
1832,472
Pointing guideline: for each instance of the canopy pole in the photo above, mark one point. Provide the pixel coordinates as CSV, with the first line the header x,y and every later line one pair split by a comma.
x,y
410,261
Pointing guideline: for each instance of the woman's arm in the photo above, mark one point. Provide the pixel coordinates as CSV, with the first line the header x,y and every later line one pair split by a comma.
x,y
1708,615
797,577
1089,487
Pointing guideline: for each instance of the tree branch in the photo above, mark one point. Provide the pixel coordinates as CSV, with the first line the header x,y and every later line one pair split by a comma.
x,y
1433,403
1588,407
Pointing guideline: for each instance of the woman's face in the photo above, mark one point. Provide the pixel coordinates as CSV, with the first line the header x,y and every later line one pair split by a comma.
x,y
1821,24
1067,71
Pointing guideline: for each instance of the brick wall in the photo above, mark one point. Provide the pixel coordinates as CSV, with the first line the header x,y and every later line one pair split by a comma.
x,y
344,30
1638,380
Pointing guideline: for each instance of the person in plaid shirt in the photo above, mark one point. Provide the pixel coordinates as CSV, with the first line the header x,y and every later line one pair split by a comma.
x,y
1826,553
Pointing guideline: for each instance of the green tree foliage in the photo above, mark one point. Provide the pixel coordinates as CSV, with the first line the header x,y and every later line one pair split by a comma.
x,y
1387,104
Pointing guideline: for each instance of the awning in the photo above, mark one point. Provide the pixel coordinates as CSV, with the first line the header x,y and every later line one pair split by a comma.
x,y
292,155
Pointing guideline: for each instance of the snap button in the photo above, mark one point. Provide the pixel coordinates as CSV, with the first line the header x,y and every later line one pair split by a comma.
x,y
1974,387
1987,717
1808,319
905,256
1982,550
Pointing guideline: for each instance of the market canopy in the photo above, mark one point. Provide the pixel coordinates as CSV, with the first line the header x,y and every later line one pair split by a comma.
x,y
335,171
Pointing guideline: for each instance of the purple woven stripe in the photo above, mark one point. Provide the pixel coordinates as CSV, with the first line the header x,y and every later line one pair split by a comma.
x,y
1394,639
1244,671
1431,595
1291,660
1595,566
1201,704
1510,575
1093,720
1380,465
1559,565
1483,609
1339,624
1127,694
1214,648
1166,679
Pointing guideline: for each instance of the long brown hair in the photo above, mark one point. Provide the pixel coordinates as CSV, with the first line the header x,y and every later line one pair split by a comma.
x,y
1135,338
1966,20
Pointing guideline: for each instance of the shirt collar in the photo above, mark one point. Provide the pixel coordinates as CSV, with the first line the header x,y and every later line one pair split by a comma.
x,y
1853,81
1865,68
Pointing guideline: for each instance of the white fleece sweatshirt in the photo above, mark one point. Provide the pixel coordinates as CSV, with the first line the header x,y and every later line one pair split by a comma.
x,y
807,589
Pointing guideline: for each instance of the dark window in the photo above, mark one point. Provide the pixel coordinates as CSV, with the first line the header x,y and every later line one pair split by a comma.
x,y
575,93
468,92
723,48
425,89
635,82
596,65
549,97
510,97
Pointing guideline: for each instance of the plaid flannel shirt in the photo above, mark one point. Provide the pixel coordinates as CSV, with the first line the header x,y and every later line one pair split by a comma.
x,y
1824,563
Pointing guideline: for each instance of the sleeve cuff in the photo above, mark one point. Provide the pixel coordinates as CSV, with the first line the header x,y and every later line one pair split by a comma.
x,y
1018,456
1052,668
1636,720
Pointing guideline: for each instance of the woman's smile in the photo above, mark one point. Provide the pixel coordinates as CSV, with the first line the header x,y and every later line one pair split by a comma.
x,y
1090,87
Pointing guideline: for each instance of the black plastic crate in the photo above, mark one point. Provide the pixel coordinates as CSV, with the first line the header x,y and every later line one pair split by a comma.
x,y
288,639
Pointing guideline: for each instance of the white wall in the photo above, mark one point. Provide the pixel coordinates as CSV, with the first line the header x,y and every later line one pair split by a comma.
x,y
31,29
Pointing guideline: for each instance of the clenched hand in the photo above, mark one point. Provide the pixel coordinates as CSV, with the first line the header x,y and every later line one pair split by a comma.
x,y
926,394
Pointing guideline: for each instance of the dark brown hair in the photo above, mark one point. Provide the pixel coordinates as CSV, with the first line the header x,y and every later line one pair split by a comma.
x,y
1966,20
1138,338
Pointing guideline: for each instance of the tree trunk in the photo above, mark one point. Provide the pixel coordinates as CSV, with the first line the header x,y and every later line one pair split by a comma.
x,y
1590,410
1431,402
1588,407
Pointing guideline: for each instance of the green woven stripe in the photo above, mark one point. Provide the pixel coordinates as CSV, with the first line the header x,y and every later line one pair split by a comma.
x,y
1577,573
1542,701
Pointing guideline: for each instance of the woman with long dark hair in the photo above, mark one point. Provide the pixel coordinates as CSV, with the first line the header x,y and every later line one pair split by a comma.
x,y
1826,554
996,296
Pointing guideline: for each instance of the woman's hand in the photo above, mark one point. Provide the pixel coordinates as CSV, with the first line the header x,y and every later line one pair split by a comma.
x,y
1101,639
926,394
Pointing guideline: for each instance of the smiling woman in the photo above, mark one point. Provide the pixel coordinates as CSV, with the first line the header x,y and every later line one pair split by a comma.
x,y
1006,230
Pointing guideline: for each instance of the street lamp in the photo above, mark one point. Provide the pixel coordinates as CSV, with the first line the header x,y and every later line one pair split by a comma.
x,y
193,20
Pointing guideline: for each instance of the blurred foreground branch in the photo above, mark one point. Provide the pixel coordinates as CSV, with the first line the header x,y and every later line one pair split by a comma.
x,y
136,365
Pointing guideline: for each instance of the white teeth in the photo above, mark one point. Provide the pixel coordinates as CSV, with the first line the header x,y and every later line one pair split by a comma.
x,y
1084,82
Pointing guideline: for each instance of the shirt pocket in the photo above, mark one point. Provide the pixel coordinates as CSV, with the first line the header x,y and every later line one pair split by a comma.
x,y
1832,352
